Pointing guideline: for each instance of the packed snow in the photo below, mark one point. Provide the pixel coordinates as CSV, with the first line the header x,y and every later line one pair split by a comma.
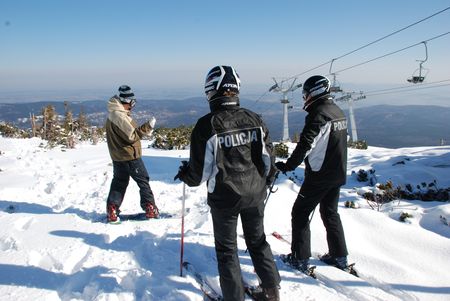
x,y
55,244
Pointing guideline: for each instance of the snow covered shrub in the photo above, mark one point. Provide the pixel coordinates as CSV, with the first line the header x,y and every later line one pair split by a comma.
x,y
383,194
172,138
350,204
360,144
281,150
10,131
366,176
362,176
404,216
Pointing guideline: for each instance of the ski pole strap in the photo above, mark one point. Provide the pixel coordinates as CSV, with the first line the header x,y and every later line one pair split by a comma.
x,y
273,182
271,190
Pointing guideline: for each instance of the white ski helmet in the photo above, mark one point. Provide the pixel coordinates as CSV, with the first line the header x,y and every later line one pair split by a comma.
x,y
219,80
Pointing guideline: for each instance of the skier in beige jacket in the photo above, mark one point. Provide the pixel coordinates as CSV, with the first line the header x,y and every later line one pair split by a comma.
x,y
123,136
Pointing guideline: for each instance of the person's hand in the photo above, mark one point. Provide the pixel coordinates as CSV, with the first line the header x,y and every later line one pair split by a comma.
x,y
272,177
281,166
182,171
152,122
270,181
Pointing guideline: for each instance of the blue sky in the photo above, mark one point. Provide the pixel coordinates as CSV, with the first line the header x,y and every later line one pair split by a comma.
x,y
160,47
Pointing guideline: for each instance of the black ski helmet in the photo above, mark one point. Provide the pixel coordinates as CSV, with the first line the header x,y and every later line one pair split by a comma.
x,y
316,86
219,80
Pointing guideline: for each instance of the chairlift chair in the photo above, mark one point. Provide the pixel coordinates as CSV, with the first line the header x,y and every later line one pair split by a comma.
x,y
418,75
335,87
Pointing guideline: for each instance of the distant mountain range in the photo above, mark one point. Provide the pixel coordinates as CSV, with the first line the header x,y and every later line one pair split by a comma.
x,y
382,125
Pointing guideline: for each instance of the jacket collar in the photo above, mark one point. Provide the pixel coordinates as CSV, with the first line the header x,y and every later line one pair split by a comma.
x,y
311,105
224,103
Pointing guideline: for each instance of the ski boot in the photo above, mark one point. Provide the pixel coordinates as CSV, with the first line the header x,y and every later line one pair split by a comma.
x,y
151,211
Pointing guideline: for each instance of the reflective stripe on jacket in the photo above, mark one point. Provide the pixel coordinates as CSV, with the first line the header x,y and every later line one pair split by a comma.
x,y
232,151
323,144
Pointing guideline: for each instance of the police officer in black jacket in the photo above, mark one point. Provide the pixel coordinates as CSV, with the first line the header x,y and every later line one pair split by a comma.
x,y
231,150
323,148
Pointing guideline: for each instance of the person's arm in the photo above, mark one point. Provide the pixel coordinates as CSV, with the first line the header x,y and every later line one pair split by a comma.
x,y
201,160
310,134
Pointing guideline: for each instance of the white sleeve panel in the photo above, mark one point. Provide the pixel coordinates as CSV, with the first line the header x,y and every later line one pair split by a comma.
x,y
316,154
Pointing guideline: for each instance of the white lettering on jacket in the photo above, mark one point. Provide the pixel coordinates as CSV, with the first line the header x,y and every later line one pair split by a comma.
x,y
339,125
237,139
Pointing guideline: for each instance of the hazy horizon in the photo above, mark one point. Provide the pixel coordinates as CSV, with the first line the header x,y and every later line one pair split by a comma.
x,y
72,50
415,97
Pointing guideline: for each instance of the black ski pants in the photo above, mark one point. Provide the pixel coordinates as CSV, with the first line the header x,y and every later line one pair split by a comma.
x,y
123,170
307,200
225,236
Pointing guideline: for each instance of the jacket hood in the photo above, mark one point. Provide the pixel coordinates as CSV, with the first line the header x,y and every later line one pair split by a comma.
x,y
118,115
114,104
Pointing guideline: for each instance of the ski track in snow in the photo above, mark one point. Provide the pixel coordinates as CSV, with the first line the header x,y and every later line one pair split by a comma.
x,y
54,247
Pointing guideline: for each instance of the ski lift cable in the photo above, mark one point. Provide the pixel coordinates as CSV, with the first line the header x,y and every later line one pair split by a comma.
x,y
268,109
259,98
364,46
391,53
391,34
371,43
407,90
405,87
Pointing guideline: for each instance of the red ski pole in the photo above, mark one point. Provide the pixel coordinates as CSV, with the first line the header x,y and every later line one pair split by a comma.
x,y
182,230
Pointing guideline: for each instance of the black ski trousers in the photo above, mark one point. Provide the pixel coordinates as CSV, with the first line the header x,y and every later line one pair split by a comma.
x,y
308,198
225,235
123,170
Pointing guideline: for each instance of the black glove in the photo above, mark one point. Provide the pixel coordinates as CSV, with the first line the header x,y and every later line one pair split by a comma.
x,y
282,167
182,171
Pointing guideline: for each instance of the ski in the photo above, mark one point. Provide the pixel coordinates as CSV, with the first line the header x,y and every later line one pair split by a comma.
x,y
311,269
141,216
254,292
309,272
349,269
206,288
135,217
280,237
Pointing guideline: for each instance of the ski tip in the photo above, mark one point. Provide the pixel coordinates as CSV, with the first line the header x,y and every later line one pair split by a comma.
x,y
276,234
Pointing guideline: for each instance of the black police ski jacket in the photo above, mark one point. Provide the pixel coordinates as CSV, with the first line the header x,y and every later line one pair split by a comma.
x,y
232,151
322,144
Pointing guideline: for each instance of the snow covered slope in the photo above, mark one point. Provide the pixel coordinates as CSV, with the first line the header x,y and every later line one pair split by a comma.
x,y
54,245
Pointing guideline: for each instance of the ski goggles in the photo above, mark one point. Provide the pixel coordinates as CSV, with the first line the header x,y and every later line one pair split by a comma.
x,y
130,101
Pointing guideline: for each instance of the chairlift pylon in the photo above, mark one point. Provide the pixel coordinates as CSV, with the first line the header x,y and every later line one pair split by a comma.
x,y
418,75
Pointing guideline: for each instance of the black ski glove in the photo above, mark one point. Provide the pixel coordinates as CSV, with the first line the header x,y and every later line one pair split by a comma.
x,y
182,171
282,167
